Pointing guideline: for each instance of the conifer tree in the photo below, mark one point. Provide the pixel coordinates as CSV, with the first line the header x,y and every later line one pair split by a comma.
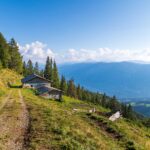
x,y
130,113
55,80
113,104
4,55
71,91
97,97
29,67
15,61
48,69
83,93
24,69
41,73
79,92
51,69
36,68
63,85
103,101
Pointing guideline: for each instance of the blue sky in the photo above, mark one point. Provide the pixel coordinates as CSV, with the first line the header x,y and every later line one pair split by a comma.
x,y
74,25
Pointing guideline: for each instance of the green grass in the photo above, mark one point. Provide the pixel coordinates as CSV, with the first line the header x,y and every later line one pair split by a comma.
x,y
54,125
123,132
8,77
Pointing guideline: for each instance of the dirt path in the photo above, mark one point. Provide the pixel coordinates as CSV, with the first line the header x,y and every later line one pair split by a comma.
x,y
25,120
13,122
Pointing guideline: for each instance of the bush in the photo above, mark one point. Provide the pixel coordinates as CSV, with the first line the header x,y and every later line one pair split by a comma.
x,y
130,146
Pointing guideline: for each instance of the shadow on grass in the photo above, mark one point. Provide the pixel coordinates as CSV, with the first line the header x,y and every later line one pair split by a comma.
x,y
14,86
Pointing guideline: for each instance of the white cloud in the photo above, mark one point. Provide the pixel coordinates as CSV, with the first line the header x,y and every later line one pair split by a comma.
x,y
38,51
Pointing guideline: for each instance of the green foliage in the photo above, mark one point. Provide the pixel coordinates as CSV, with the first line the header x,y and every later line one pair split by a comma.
x,y
36,68
71,91
48,69
41,73
4,54
79,92
130,146
103,100
146,122
56,80
24,69
29,67
113,104
15,60
63,85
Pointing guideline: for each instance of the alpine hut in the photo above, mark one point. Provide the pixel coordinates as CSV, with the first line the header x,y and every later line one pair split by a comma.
x,y
42,85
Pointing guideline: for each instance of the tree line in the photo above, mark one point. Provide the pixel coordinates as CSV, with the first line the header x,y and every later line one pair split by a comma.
x,y
9,54
11,58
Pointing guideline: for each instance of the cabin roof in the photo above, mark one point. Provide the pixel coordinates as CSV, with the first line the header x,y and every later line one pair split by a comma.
x,y
32,76
45,89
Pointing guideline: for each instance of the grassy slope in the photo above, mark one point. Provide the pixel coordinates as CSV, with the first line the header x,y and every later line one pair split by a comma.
x,y
8,76
54,125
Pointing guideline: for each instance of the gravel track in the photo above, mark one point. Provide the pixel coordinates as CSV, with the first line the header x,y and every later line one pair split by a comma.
x,y
13,122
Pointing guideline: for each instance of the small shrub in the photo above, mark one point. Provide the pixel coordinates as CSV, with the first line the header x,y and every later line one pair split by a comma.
x,y
59,130
71,145
130,146
110,130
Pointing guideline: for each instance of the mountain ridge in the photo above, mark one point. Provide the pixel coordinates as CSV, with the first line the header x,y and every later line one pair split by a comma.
x,y
123,79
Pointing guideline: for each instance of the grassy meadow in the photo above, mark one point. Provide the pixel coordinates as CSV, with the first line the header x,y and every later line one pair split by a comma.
x,y
55,125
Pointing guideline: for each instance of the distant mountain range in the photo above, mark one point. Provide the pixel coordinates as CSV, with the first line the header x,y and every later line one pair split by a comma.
x,y
125,80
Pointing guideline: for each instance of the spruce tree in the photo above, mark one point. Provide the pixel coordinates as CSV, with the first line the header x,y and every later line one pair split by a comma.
x,y
63,85
41,73
4,54
36,68
114,104
71,91
55,81
51,69
15,61
103,101
24,69
79,92
30,69
48,69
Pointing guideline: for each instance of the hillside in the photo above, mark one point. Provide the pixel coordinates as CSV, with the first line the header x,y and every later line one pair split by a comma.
x,y
31,122
130,82
8,76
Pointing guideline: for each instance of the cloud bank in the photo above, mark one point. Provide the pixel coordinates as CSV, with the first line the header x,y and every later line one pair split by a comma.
x,y
38,51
